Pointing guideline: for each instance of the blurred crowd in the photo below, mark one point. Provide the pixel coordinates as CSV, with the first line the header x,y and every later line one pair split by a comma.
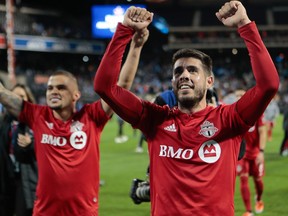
x,y
155,69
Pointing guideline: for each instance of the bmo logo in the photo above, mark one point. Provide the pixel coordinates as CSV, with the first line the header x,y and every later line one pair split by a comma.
x,y
78,140
170,152
210,151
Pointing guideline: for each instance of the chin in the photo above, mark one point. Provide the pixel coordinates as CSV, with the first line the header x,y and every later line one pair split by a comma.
x,y
187,101
185,97
55,107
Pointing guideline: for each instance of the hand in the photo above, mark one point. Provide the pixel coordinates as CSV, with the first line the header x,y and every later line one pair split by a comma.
x,y
260,158
1,86
137,18
233,14
24,140
140,37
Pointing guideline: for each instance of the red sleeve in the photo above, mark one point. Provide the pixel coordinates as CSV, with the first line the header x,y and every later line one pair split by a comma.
x,y
28,113
96,113
253,104
123,102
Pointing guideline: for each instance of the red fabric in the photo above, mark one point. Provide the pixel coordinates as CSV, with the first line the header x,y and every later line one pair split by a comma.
x,y
253,104
252,139
105,82
245,192
259,186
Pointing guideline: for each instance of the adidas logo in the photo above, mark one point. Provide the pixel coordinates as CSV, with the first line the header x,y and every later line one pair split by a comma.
x,y
171,128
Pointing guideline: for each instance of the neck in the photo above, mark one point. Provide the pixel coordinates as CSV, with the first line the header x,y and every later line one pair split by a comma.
x,y
62,115
193,109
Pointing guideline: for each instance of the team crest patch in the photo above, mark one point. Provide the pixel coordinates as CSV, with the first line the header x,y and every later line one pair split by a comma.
x,y
207,129
76,126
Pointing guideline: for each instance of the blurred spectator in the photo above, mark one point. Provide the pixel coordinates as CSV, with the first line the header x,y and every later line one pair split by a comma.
x,y
1,106
121,137
18,167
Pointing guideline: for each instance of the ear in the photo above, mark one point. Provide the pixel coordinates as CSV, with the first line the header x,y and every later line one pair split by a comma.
x,y
76,96
210,81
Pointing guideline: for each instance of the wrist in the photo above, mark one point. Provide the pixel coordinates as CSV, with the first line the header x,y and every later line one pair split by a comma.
x,y
243,22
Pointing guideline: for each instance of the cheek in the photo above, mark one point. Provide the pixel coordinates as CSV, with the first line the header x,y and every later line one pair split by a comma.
x,y
173,82
197,78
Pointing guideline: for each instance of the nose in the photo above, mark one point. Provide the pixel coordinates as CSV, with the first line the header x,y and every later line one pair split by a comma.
x,y
185,75
53,91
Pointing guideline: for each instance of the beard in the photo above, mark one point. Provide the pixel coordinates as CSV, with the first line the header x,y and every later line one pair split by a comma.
x,y
55,107
189,102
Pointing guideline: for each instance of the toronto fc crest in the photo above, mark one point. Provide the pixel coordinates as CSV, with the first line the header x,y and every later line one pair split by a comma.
x,y
76,126
207,129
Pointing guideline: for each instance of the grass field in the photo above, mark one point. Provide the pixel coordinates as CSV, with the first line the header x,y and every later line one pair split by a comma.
x,y
120,164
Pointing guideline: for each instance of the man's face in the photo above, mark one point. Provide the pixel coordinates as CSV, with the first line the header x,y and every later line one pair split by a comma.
x,y
60,92
189,81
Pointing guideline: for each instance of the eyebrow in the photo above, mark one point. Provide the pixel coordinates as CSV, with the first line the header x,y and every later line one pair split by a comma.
x,y
58,86
188,67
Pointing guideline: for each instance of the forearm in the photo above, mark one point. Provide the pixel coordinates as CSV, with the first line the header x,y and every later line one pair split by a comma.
x,y
11,102
120,100
254,102
262,137
263,67
109,68
130,67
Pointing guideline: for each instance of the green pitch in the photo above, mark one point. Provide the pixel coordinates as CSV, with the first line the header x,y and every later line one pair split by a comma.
x,y
120,164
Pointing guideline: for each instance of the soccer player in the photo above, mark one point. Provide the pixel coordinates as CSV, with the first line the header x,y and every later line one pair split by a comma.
x,y
271,113
67,140
193,148
252,163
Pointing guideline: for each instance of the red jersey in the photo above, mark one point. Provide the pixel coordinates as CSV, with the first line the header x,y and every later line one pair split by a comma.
x,y
252,139
68,159
192,156
187,157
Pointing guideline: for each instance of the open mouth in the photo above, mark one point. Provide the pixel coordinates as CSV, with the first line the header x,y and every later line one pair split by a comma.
x,y
55,99
184,86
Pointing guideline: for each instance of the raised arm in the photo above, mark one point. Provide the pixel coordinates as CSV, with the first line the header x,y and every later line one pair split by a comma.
x,y
252,105
123,102
130,66
12,102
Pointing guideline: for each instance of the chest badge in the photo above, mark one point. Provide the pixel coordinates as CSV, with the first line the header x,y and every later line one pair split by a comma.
x,y
207,129
76,126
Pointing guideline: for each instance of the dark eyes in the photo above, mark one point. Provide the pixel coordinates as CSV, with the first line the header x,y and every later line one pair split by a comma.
x,y
180,70
59,87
